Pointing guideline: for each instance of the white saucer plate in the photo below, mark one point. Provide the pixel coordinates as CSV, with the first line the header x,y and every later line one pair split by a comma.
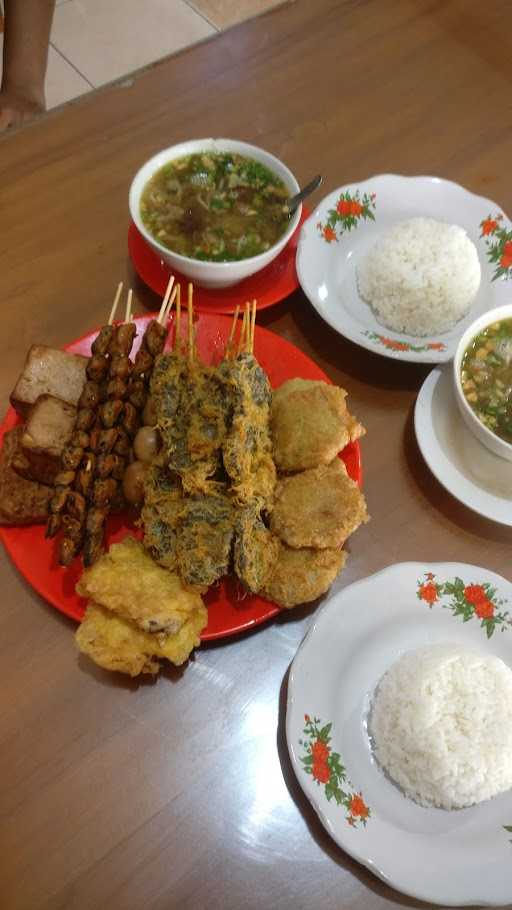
x,y
466,468
462,857
327,257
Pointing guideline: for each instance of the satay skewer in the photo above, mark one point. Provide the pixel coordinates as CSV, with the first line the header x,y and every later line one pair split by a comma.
x,y
177,333
167,311
128,312
228,352
165,301
190,312
115,303
243,331
252,326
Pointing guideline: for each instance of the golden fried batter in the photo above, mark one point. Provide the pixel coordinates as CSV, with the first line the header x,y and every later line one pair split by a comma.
x,y
204,539
117,644
255,550
247,445
127,581
318,508
302,575
310,424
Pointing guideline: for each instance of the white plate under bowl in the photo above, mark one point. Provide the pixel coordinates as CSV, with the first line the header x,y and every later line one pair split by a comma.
x,y
327,268
466,468
463,857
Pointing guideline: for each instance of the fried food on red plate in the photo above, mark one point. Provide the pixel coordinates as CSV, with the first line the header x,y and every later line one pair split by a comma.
x,y
204,541
115,643
128,582
302,575
22,502
255,550
310,424
318,508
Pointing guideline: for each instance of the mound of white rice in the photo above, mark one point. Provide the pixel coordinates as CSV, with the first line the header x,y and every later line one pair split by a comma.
x,y
441,724
421,277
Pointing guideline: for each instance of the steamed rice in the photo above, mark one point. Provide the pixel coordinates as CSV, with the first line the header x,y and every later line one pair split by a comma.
x,y
441,724
421,277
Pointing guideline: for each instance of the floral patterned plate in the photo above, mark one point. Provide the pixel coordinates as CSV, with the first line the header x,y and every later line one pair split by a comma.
x,y
348,222
449,858
467,469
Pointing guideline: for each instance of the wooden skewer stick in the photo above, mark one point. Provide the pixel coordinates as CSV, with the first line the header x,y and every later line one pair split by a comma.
x,y
253,323
115,303
229,345
247,326
128,313
190,323
243,330
177,334
165,301
167,311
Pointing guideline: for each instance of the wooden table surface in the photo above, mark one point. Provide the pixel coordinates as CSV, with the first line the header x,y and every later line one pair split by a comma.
x,y
180,793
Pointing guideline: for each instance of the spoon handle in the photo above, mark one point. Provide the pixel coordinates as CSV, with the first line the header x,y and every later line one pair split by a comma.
x,y
292,203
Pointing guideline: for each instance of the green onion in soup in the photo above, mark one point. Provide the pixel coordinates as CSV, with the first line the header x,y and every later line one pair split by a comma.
x,y
486,377
215,206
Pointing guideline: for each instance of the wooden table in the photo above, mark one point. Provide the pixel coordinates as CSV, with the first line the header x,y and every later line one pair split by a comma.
x,y
180,793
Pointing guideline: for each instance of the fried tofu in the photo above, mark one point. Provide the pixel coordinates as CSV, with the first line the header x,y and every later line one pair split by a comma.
x,y
128,582
47,430
118,644
48,371
22,502
318,508
301,576
310,424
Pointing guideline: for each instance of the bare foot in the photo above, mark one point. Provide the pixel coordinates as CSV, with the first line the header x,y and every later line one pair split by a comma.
x,y
16,108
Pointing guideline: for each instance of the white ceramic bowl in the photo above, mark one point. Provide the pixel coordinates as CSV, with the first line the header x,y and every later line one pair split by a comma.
x,y
212,274
482,433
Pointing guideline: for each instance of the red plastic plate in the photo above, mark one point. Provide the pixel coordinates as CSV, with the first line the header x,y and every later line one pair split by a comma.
x,y
229,612
277,281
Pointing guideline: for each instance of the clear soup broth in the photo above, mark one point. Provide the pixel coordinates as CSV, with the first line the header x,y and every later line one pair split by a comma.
x,y
215,206
486,377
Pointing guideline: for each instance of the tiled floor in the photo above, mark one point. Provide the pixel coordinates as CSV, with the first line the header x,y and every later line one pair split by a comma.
x,y
95,41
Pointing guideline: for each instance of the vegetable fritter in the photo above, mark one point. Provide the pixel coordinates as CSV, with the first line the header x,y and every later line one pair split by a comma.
x,y
310,424
247,449
318,508
189,399
302,575
204,540
255,550
161,512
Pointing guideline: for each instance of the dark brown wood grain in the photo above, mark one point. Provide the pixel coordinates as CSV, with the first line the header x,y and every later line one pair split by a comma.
x,y
180,793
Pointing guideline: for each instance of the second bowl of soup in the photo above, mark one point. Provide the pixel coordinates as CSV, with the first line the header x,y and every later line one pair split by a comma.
x,y
214,209
482,371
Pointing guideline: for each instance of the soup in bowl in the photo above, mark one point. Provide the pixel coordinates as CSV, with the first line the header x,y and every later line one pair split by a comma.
x,y
214,209
483,379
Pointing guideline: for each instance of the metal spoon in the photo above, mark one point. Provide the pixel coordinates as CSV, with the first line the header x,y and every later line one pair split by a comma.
x,y
291,204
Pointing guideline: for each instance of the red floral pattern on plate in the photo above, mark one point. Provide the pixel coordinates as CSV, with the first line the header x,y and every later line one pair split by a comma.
x,y
347,214
326,768
393,345
467,601
499,245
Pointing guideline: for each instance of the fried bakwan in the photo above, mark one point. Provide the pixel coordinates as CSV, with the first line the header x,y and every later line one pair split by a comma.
x,y
300,576
318,508
310,424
